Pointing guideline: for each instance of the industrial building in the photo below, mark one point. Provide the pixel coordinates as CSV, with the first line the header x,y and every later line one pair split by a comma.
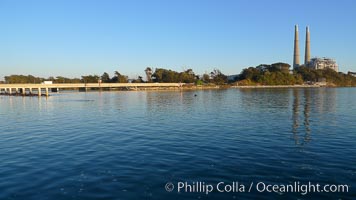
x,y
314,63
323,63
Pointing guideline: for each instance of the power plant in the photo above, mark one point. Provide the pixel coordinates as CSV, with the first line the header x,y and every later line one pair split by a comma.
x,y
296,62
307,47
314,63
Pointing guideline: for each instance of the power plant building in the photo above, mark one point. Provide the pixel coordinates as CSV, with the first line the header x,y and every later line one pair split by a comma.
x,y
323,63
314,63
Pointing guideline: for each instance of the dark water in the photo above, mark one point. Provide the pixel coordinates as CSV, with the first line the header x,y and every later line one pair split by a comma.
x,y
128,145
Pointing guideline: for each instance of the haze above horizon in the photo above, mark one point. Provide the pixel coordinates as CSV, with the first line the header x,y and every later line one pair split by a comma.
x,y
74,38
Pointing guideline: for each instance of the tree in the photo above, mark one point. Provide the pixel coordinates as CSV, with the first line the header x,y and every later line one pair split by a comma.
x,y
307,73
218,78
105,78
61,79
118,78
252,73
187,76
206,78
23,79
170,76
90,79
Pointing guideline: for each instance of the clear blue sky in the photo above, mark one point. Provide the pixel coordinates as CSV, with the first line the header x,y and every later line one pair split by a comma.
x,y
80,37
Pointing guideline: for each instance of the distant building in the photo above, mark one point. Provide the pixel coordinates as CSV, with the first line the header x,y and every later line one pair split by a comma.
x,y
314,63
284,67
47,82
323,63
352,73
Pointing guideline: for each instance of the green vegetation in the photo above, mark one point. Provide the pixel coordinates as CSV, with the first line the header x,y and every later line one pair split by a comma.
x,y
119,78
217,77
169,76
61,79
23,79
278,74
332,77
274,74
105,78
188,76
90,79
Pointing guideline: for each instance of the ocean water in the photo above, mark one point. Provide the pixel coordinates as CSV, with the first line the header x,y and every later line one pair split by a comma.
x,y
139,144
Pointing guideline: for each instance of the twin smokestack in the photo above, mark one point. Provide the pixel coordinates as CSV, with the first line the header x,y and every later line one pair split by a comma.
x,y
296,58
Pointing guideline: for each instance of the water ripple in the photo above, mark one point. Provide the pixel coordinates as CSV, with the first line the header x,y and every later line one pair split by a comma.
x,y
127,145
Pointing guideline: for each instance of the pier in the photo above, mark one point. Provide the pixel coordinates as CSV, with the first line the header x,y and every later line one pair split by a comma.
x,y
43,89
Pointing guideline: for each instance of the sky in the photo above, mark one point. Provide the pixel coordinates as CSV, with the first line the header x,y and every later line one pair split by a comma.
x,y
72,38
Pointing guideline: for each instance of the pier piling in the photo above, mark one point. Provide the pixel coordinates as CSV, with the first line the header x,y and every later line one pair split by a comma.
x,y
20,89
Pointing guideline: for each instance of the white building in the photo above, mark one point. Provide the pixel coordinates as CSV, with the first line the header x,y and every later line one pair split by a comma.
x,y
323,63
47,82
352,73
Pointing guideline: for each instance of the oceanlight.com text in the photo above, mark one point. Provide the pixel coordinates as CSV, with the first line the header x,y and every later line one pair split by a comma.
x,y
260,187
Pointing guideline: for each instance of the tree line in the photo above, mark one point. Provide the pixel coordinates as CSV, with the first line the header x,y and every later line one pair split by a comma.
x,y
279,74
159,75
264,74
274,74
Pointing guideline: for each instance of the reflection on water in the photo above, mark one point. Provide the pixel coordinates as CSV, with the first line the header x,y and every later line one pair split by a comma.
x,y
301,140
128,145
295,111
306,113
320,102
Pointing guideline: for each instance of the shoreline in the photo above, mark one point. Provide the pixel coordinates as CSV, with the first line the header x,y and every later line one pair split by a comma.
x,y
281,86
183,88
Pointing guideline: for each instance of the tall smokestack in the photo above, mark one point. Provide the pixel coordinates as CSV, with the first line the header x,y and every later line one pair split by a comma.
x,y
307,47
296,48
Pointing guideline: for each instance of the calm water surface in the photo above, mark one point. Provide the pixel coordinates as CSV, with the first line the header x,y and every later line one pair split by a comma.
x,y
128,145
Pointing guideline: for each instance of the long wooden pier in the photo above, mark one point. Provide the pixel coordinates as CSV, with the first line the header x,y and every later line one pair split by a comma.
x,y
11,89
